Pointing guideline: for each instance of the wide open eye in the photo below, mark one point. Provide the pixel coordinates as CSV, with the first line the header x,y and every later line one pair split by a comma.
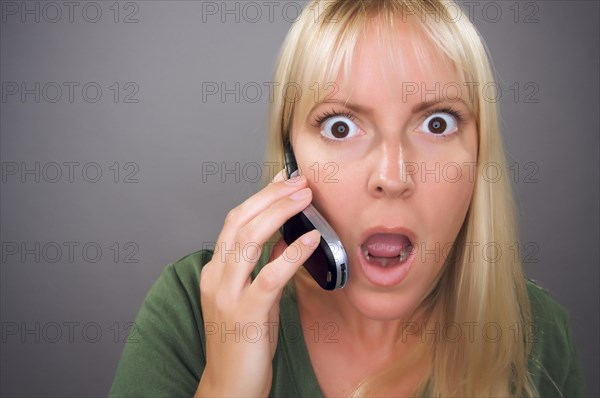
x,y
339,128
440,123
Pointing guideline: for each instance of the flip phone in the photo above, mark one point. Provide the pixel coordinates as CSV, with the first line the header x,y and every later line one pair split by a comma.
x,y
328,264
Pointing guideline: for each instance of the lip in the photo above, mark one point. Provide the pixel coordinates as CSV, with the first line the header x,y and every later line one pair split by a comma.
x,y
386,277
388,230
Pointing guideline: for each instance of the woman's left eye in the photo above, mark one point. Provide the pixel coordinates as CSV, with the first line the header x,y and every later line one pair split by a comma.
x,y
440,124
339,128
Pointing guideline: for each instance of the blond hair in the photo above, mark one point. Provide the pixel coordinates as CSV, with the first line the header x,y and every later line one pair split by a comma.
x,y
472,289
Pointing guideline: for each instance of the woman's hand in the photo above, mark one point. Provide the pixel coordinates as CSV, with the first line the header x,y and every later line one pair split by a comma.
x,y
241,316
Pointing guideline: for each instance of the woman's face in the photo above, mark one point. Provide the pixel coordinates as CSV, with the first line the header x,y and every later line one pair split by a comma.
x,y
390,165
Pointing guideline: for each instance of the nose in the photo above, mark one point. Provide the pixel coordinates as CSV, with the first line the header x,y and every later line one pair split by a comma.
x,y
391,176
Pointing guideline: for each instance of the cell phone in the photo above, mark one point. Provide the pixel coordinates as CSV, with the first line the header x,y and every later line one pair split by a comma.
x,y
328,264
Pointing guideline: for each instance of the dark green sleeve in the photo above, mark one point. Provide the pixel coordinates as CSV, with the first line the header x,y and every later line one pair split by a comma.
x,y
555,362
165,356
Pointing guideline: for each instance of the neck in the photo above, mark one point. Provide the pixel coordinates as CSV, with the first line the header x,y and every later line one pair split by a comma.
x,y
318,305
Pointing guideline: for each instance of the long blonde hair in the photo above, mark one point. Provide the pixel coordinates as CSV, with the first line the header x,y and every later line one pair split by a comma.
x,y
475,291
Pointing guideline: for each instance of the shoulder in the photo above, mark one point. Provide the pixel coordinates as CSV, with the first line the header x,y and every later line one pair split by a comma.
x,y
548,329
545,308
550,323
186,271
167,352
554,360
166,355
177,287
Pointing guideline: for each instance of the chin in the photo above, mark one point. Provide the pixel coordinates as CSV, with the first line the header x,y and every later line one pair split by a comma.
x,y
379,305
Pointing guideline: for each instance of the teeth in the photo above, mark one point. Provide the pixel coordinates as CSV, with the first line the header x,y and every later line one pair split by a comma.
x,y
391,260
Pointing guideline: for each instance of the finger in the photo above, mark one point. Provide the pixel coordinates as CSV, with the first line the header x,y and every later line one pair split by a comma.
x,y
251,237
251,207
278,249
226,246
269,282
278,177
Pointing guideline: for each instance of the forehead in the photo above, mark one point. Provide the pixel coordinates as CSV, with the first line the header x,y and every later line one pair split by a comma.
x,y
390,67
402,66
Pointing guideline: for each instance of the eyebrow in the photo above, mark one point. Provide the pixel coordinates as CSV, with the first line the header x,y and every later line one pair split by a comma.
x,y
421,106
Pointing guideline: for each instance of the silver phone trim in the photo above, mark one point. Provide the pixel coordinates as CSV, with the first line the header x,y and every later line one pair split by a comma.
x,y
332,240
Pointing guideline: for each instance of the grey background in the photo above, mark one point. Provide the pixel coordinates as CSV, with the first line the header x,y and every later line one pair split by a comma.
x,y
164,139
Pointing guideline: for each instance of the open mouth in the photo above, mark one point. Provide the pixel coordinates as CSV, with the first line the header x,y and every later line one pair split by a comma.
x,y
386,250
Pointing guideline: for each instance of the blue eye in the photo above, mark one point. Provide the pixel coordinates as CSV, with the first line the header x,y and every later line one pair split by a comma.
x,y
440,123
339,128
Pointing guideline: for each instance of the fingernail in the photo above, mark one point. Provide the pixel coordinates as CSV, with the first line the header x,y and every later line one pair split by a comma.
x,y
311,239
279,176
301,194
295,180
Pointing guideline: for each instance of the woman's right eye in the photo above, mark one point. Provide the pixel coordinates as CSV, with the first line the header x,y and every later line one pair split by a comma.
x,y
339,128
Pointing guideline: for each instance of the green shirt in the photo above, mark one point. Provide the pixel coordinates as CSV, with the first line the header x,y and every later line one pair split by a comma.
x,y
165,352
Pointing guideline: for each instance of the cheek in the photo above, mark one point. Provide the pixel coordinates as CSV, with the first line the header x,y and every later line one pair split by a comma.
x,y
446,201
337,194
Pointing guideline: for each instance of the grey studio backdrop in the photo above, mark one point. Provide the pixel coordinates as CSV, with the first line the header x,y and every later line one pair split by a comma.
x,y
111,134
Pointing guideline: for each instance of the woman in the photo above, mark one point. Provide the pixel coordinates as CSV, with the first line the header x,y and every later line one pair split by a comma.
x,y
382,103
